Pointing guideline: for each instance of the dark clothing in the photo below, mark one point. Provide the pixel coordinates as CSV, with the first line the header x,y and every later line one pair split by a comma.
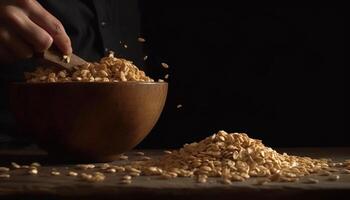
x,y
277,74
96,26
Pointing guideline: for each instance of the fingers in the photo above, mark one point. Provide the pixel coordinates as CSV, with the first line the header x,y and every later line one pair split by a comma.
x,y
16,45
51,24
27,29
35,25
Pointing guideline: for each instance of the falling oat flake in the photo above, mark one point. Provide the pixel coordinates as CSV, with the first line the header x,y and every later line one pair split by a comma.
x,y
140,39
165,65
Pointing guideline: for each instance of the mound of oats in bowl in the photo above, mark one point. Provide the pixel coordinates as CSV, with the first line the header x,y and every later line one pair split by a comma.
x,y
109,69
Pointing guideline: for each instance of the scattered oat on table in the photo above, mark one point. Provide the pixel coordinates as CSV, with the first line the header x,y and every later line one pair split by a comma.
x,y
226,181
5,176
131,169
55,173
85,176
85,166
333,178
33,171
71,173
119,168
167,152
4,169
95,177
111,170
336,164
262,182
139,153
35,164
126,177
145,158
15,165
105,166
123,157
311,181
201,180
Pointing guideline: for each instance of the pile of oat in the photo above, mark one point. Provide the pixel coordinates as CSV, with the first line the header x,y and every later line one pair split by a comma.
x,y
234,157
109,69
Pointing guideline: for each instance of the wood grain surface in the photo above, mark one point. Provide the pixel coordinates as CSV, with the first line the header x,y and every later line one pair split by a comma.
x,y
45,186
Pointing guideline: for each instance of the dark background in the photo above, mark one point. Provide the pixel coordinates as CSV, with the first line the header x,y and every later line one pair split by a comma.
x,y
275,73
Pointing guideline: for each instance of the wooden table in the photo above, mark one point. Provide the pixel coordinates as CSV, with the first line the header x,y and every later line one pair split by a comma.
x,y
46,186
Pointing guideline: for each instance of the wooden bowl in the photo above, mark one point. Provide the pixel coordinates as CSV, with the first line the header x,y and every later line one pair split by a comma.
x,y
87,121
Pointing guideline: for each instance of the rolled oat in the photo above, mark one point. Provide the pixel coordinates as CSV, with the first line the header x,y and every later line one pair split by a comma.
x,y
109,69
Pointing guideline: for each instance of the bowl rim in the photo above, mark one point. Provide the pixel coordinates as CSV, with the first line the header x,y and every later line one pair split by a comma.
x,y
91,83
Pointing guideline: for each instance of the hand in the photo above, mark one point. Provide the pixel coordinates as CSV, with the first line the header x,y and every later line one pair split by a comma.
x,y
26,27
